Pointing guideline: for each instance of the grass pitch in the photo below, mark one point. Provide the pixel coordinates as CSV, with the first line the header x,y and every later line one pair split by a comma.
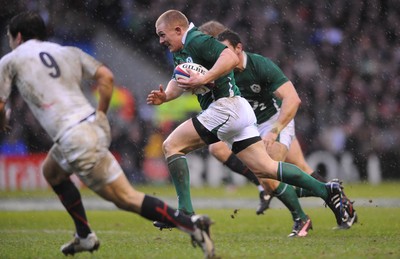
x,y
237,234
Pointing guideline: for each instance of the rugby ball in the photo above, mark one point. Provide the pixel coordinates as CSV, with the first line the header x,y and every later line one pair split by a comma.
x,y
181,71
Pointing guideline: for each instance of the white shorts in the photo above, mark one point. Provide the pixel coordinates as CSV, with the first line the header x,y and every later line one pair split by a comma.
x,y
286,135
231,118
83,150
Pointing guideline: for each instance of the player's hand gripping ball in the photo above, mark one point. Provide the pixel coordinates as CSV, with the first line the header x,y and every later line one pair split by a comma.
x,y
181,71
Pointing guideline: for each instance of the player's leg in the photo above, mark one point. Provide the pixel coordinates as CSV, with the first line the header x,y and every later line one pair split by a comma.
x,y
295,156
258,160
222,152
181,141
70,197
124,196
286,193
242,135
240,132
68,194
98,169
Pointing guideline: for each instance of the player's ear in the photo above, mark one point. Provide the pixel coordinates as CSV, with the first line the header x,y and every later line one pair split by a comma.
x,y
239,47
178,30
18,38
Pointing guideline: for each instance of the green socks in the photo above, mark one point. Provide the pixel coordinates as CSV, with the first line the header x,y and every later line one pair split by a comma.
x,y
306,193
292,175
179,171
287,195
303,192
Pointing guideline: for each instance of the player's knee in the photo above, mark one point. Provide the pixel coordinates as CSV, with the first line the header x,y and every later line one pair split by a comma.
x,y
220,151
169,147
51,172
214,150
165,146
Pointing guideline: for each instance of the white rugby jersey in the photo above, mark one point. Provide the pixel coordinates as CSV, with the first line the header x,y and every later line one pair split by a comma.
x,y
48,77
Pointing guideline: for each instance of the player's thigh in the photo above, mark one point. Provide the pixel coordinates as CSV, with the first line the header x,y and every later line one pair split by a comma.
x,y
258,161
183,139
220,151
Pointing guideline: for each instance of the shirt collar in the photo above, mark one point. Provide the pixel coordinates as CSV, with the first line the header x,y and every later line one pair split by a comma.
x,y
244,60
244,64
191,26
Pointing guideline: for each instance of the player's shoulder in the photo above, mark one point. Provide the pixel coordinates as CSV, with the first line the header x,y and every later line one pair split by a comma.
x,y
196,37
6,59
259,62
258,57
48,46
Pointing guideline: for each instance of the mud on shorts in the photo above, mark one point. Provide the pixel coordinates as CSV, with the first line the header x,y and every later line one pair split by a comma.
x,y
286,135
230,119
84,150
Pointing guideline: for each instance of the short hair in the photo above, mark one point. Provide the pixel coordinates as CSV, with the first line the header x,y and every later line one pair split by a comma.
x,y
231,36
29,24
212,28
173,17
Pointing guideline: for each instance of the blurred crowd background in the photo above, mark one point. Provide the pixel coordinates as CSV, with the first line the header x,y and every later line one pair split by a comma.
x,y
342,56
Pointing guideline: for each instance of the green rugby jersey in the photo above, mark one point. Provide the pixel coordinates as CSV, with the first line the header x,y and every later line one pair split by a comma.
x,y
257,83
204,50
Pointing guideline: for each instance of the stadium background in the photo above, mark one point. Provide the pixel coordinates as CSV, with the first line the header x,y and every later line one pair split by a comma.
x,y
343,57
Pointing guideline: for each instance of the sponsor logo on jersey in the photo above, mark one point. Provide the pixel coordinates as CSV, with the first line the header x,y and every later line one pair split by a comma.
x,y
255,88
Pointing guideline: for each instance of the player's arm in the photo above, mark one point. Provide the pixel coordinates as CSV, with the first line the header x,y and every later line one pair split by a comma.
x,y
4,114
226,62
157,97
6,79
105,83
290,104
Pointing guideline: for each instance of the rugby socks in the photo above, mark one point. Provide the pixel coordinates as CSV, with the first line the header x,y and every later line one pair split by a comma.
x,y
157,210
306,193
237,166
179,171
291,174
287,195
319,177
70,197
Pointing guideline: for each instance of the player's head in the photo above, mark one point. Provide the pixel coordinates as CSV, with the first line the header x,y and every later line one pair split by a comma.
x,y
232,41
26,26
212,28
170,28
231,37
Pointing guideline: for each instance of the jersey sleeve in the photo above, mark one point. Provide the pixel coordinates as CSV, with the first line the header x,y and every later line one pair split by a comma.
x,y
272,75
6,77
89,63
206,50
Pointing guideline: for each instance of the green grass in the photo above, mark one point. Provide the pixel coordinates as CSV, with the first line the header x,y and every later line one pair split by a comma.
x,y
39,234
353,190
